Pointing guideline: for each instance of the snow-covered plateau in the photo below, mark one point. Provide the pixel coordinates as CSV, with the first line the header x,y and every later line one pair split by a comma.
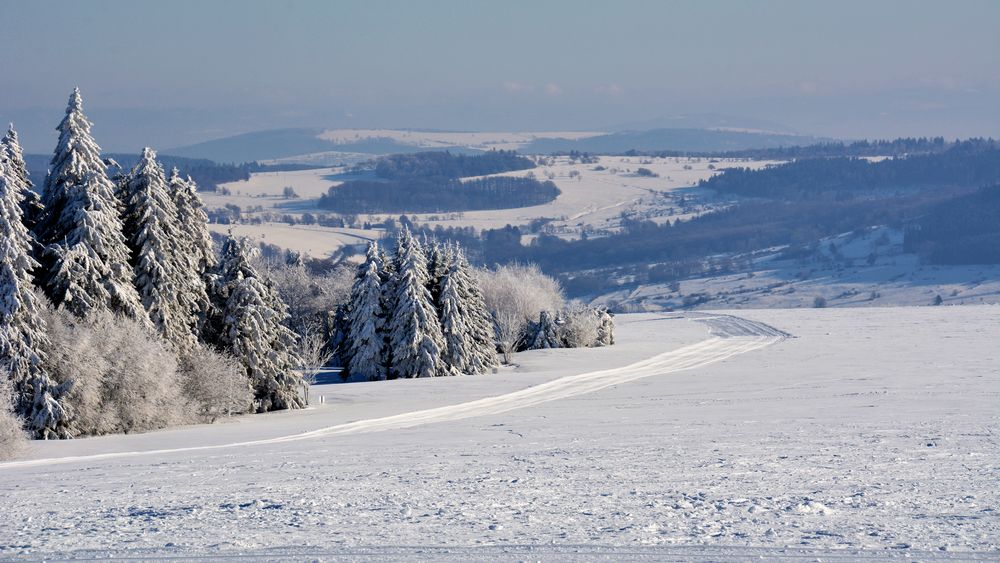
x,y
774,434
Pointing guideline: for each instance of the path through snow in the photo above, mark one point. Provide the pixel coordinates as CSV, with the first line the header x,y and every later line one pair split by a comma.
x,y
731,336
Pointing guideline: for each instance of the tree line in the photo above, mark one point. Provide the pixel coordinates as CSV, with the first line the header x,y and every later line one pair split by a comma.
x,y
436,195
444,164
128,259
972,163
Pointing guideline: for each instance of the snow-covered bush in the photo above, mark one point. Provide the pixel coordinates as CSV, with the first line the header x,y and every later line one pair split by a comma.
x,y
579,328
309,297
119,377
515,295
13,438
215,384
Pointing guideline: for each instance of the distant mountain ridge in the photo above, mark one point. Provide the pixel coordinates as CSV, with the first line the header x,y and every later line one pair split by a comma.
x,y
693,140
310,144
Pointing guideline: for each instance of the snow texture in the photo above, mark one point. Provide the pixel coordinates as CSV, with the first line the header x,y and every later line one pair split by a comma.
x,y
860,438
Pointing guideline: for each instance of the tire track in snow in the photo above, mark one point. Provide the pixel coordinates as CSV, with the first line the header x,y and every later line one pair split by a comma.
x,y
732,336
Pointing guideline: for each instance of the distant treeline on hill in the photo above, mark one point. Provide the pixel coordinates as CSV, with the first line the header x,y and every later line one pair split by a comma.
x,y
894,147
428,195
206,173
448,165
964,164
429,182
965,230
904,146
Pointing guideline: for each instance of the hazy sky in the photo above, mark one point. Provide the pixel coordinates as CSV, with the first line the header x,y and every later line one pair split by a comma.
x,y
180,71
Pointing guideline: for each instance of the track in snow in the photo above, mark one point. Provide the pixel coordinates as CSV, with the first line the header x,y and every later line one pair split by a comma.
x,y
731,336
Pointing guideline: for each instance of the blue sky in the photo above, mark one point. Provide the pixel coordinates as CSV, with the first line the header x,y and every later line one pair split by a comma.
x,y
182,71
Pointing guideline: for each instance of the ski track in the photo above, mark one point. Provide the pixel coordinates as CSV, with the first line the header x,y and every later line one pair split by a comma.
x,y
732,336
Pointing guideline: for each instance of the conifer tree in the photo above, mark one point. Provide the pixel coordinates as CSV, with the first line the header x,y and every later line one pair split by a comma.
x,y
85,262
22,329
437,267
365,320
253,330
162,271
193,220
12,157
480,355
414,330
196,245
546,335
453,315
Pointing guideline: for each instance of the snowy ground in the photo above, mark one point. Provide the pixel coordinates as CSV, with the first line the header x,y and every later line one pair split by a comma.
x,y
871,433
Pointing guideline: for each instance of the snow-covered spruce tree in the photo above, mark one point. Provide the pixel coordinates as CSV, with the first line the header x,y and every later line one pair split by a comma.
x,y
12,157
193,221
437,267
253,331
480,321
414,330
159,256
465,322
605,328
22,330
85,262
198,252
365,320
546,333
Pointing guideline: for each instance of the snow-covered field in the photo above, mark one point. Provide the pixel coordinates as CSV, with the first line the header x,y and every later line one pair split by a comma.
x,y
870,433
310,240
593,198
848,271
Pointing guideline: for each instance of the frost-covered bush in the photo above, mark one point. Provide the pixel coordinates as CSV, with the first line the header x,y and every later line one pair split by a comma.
x,y
120,378
579,328
515,295
215,384
13,438
309,297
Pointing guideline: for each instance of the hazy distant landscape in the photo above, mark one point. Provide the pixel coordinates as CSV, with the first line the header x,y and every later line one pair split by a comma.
x,y
461,281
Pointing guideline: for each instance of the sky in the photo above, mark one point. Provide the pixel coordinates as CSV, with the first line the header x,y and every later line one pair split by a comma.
x,y
170,73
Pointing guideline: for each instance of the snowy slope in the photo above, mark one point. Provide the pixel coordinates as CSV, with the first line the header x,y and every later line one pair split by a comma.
x,y
869,430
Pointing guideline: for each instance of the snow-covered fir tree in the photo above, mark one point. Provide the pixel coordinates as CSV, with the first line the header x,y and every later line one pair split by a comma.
x,y
162,271
605,328
22,329
546,333
12,158
365,320
414,330
437,267
253,330
196,243
85,262
193,220
481,353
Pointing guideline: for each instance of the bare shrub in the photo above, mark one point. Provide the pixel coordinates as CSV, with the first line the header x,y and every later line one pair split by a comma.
x,y
309,297
579,328
215,384
515,295
13,438
121,379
